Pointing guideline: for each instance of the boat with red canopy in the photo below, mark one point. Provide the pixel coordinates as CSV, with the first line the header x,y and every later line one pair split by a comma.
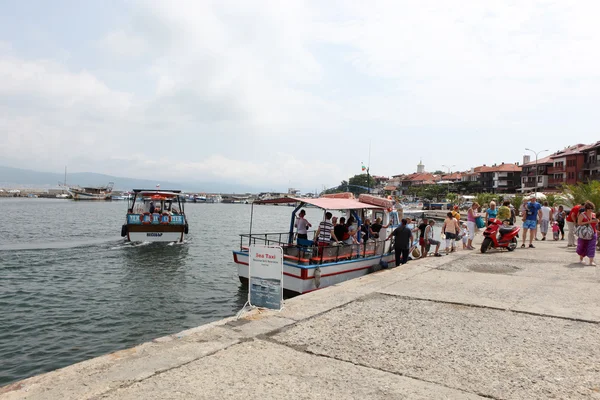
x,y
309,267
155,216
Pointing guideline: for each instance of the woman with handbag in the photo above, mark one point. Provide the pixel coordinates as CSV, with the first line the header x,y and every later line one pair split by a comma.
x,y
472,224
586,232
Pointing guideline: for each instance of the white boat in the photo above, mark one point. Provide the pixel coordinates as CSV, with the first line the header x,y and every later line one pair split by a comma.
x,y
214,198
91,193
155,216
307,267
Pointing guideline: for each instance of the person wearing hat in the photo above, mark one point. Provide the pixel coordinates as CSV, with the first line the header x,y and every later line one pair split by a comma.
x,y
302,224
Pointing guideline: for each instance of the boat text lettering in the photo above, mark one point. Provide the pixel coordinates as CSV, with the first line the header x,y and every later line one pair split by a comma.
x,y
267,256
154,234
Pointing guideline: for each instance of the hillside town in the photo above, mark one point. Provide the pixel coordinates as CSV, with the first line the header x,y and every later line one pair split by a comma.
x,y
573,164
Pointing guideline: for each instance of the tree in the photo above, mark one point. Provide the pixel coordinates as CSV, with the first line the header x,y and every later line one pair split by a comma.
x,y
579,193
439,172
516,202
362,180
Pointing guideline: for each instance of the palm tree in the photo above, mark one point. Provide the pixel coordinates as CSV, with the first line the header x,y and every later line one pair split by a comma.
x,y
581,192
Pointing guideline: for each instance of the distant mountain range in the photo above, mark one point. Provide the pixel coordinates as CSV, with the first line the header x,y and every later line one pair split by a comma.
x,y
24,178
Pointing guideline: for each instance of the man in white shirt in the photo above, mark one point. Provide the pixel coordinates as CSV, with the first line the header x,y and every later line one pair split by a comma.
x,y
302,224
546,218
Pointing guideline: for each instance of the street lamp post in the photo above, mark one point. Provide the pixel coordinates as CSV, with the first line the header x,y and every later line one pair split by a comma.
x,y
535,189
449,172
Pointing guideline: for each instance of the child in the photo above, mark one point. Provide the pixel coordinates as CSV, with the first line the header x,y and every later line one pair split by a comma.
x,y
555,230
465,235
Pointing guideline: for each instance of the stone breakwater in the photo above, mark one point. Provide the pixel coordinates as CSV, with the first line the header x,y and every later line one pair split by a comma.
x,y
519,325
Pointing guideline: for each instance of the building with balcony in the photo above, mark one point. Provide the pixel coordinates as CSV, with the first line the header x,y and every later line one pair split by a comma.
x,y
528,174
500,178
567,167
591,162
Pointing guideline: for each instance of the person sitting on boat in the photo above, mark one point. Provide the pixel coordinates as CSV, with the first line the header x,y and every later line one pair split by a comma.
x,y
341,230
351,232
152,208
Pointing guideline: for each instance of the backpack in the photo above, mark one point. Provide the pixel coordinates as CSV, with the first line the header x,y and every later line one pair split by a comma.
x,y
530,210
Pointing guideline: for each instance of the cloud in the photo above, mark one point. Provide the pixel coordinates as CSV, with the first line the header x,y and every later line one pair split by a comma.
x,y
280,93
123,44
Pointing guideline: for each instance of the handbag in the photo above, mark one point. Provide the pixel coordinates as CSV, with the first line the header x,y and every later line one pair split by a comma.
x,y
480,222
585,232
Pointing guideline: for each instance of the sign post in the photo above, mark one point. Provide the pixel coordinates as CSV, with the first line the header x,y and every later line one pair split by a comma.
x,y
265,277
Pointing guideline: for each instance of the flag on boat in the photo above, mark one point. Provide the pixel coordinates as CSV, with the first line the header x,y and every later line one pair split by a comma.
x,y
158,185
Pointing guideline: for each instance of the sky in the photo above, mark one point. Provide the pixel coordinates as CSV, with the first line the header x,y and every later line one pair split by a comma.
x,y
278,94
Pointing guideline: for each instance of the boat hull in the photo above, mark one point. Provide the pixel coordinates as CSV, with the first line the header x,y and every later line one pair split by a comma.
x,y
155,233
89,196
166,237
301,279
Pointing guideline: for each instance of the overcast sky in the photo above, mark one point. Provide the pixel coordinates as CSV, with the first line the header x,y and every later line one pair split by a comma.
x,y
283,93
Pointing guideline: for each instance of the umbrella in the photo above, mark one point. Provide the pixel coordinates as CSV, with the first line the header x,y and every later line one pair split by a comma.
x,y
538,195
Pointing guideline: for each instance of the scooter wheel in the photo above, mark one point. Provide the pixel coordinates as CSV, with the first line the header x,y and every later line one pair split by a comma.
x,y
486,244
512,245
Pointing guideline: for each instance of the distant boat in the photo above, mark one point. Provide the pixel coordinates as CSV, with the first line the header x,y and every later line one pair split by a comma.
x,y
214,198
91,193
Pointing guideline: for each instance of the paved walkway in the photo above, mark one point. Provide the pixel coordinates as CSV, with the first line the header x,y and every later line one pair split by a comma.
x,y
501,325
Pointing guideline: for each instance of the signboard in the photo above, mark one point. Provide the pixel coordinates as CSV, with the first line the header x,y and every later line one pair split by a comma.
x,y
266,277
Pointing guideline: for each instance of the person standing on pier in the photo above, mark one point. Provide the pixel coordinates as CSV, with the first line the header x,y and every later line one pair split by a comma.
x,y
530,219
571,221
587,247
547,217
403,239
471,224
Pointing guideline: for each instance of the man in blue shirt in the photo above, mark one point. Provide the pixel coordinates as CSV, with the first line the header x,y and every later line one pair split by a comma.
x,y
531,215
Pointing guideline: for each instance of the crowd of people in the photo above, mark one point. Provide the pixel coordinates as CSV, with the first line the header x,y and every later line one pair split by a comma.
x,y
581,222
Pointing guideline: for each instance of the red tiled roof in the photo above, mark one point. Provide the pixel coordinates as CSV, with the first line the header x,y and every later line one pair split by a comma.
x,y
500,168
571,150
452,176
545,160
422,177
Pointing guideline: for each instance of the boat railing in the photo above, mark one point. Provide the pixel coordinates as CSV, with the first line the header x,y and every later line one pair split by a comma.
x,y
155,219
306,252
267,239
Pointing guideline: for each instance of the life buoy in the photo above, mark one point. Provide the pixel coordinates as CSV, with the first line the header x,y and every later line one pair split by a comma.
x,y
165,221
143,219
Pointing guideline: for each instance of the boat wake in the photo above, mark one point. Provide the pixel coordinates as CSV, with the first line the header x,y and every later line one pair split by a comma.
x,y
57,245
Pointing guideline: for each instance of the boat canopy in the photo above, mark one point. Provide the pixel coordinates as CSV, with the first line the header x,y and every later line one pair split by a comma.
x,y
325,203
159,193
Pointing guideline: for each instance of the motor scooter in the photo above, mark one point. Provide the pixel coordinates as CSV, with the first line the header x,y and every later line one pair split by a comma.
x,y
500,236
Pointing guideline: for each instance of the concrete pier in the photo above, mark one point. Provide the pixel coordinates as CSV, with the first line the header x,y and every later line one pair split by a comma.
x,y
501,325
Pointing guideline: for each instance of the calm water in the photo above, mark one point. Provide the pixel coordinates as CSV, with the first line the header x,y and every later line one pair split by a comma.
x,y
71,289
